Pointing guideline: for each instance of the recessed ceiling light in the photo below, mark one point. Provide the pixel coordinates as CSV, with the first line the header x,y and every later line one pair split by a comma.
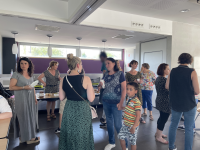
x,y
185,10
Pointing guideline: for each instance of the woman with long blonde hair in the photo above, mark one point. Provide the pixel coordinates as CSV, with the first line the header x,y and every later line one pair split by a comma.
x,y
51,85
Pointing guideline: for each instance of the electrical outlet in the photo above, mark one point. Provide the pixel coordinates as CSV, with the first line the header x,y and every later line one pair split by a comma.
x,y
154,27
137,24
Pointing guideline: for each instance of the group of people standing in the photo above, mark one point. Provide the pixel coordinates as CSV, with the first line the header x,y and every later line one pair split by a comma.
x,y
175,95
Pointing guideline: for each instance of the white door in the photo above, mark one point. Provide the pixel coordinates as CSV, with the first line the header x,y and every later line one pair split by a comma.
x,y
154,59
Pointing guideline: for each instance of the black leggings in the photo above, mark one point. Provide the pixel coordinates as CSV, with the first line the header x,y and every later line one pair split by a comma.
x,y
162,120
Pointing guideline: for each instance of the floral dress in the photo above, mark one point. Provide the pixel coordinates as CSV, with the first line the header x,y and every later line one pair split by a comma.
x,y
148,80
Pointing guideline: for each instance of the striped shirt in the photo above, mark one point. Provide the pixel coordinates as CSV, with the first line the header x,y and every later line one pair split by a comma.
x,y
133,105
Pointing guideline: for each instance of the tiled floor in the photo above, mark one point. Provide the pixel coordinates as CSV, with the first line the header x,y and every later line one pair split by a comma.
x,y
146,140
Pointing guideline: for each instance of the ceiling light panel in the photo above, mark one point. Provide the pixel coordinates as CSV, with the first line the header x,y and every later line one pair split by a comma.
x,y
124,37
163,5
141,2
47,28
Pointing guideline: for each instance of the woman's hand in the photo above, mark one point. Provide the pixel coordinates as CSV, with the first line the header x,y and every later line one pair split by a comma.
x,y
119,106
28,87
44,84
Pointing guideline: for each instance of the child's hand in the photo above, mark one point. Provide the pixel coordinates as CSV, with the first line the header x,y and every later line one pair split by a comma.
x,y
132,130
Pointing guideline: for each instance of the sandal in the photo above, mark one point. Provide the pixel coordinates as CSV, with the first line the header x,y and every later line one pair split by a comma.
x,y
53,116
144,114
33,141
142,121
163,142
151,117
48,118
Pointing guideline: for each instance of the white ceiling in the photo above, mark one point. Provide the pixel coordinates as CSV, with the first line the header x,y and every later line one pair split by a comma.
x,y
163,9
67,35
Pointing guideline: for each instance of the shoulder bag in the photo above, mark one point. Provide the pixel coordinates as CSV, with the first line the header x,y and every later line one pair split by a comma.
x,y
93,111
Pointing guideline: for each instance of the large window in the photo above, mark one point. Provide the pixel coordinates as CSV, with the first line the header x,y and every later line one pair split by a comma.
x,y
33,51
114,54
90,53
94,54
62,52
42,51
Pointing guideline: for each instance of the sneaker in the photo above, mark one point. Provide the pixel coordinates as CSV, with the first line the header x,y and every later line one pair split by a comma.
x,y
126,148
109,146
103,125
57,130
181,127
102,120
173,149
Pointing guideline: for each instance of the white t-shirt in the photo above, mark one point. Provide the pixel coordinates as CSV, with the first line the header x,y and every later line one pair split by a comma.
x,y
4,106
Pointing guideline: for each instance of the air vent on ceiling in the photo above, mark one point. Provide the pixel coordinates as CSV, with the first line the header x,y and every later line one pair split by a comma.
x,y
124,37
195,1
47,28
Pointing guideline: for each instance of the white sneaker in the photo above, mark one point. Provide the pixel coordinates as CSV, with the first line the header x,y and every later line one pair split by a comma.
x,y
109,146
126,148
173,149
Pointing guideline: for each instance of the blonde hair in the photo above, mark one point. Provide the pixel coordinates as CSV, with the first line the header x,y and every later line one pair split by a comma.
x,y
72,61
52,63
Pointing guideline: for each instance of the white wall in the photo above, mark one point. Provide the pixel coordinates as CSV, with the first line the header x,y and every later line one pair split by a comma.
x,y
1,55
185,38
129,56
119,20
137,55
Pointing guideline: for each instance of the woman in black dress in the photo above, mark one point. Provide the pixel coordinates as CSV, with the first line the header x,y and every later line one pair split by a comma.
x,y
162,101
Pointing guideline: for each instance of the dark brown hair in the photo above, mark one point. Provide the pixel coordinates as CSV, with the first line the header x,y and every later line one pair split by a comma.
x,y
113,61
161,69
135,85
146,65
185,58
31,66
133,62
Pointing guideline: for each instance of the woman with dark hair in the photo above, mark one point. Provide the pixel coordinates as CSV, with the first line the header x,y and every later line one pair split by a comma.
x,y
25,102
147,82
135,76
52,76
162,101
113,97
183,85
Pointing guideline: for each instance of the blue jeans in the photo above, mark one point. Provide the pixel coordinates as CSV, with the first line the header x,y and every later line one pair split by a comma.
x,y
147,99
189,126
113,118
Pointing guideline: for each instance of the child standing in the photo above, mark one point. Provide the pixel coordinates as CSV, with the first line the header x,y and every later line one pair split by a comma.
x,y
131,117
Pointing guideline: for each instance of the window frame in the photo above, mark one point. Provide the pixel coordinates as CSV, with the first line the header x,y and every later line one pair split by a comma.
x,y
78,51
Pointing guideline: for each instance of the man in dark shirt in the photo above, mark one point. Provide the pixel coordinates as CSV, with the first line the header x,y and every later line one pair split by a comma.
x,y
103,58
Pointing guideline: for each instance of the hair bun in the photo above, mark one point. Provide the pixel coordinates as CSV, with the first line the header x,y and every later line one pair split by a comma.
x,y
69,56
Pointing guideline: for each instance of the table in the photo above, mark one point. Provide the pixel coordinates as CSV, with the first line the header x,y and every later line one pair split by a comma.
x,y
47,97
4,127
4,144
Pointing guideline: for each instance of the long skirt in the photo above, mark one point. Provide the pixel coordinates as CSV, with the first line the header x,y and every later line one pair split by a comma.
x,y
76,128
